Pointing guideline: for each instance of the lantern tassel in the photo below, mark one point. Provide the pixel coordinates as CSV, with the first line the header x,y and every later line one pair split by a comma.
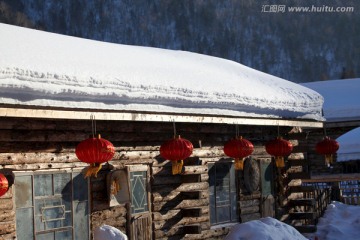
x,y
92,170
115,187
279,160
328,159
239,163
177,167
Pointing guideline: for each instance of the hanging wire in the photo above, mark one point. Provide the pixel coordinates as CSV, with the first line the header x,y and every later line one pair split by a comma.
x,y
236,130
325,134
174,128
93,125
278,130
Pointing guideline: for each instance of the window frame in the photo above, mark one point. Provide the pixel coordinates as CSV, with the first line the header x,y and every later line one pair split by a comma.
x,y
73,173
234,178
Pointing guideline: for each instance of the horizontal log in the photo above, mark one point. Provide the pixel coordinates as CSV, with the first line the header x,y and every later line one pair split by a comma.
x,y
188,170
157,197
99,205
7,215
114,212
157,216
28,158
76,135
166,206
180,222
49,147
43,166
204,177
184,187
8,236
7,228
166,179
249,203
166,233
115,222
296,156
250,217
251,196
249,210
6,204
166,170
135,126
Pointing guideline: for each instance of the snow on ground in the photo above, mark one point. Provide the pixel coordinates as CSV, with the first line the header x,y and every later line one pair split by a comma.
x,y
106,232
349,146
342,98
46,69
340,221
265,228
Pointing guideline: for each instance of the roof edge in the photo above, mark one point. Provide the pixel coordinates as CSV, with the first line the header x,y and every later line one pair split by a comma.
x,y
55,113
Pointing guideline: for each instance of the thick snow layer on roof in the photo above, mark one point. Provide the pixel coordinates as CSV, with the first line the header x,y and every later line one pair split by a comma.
x,y
46,69
349,146
342,98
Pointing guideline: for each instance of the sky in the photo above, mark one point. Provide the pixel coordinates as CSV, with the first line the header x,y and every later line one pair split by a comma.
x,y
47,69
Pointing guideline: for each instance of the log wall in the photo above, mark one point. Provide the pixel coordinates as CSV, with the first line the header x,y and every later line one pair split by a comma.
x,y
317,162
179,204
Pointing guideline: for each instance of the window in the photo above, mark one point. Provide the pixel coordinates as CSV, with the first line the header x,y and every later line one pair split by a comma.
x,y
139,193
52,206
223,193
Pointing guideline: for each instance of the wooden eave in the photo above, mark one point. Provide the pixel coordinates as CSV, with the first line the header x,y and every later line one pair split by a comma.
x,y
85,114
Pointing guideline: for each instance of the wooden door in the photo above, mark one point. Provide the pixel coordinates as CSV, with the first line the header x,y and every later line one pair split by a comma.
x,y
139,209
141,226
267,186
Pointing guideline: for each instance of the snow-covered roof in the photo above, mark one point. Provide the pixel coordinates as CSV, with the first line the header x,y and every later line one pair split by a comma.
x,y
50,70
342,98
349,146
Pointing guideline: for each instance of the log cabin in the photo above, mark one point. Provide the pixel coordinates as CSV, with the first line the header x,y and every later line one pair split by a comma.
x,y
57,90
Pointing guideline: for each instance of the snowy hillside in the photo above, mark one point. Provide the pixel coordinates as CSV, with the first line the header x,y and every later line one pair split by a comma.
x,y
46,69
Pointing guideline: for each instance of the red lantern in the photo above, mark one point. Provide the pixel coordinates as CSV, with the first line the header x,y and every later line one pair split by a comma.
x,y
94,151
4,184
238,148
279,148
176,150
327,147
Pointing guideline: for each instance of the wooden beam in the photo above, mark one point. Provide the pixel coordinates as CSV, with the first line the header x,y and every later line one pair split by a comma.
x,y
62,113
